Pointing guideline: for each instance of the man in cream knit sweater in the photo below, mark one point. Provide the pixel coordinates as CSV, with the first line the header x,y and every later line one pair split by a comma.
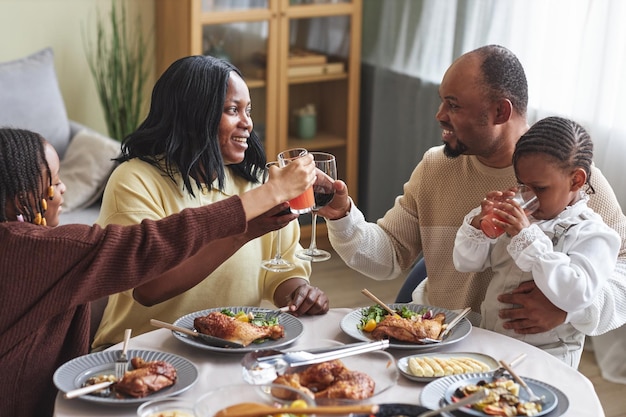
x,y
482,114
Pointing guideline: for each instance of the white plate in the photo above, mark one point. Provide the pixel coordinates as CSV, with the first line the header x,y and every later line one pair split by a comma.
x,y
293,330
403,363
435,393
73,374
350,322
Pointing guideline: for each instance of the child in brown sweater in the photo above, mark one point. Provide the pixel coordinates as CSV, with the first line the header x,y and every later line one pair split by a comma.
x,y
48,275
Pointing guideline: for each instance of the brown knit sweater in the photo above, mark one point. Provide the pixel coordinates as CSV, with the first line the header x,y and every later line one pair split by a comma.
x,y
48,275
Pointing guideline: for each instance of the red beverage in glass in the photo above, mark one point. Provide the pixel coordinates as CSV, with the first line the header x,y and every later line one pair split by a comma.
x,y
304,202
526,199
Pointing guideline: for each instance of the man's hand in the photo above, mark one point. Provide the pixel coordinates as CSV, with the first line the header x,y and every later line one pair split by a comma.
x,y
534,314
339,205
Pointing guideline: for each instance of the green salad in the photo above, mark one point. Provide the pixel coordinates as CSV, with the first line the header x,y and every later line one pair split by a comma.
x,y
373,315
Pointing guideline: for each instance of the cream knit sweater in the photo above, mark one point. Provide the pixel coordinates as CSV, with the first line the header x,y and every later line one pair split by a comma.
x,y
440,192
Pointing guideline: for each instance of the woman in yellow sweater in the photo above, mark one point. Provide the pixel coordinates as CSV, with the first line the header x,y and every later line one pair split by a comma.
x,y
197,147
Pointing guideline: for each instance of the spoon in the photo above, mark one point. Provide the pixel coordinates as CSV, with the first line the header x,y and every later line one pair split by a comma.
x,y
210,340
260,410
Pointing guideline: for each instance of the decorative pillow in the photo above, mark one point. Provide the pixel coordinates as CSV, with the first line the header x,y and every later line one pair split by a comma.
x,y
30,98
86,167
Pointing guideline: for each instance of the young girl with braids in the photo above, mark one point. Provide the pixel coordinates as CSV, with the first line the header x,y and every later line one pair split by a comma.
x,y
565,247
48,275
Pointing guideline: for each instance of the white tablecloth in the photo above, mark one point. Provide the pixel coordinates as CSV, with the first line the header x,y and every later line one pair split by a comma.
x,y
217,369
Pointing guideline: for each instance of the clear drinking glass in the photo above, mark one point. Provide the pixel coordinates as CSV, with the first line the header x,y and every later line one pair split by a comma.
x,y
323,191
524,196
277,263
305,201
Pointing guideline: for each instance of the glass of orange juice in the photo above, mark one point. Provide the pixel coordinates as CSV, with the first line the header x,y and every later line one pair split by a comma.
x,y
304,202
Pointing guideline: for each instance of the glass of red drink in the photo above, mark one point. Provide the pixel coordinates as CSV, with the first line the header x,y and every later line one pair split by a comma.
x,y
524,196
304,202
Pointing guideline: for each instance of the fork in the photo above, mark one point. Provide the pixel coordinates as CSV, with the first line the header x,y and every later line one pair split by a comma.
x,y
499,373
121,364
449,327
270,314
532,397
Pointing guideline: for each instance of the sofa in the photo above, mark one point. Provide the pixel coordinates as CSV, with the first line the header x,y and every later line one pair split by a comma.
x,y
30,98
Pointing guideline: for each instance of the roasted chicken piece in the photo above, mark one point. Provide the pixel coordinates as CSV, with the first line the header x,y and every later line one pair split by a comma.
x,y
348,384
408,330
329,380
146,378
220,325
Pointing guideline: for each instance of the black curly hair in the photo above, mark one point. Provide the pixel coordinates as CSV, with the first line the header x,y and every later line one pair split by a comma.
x,y
180,133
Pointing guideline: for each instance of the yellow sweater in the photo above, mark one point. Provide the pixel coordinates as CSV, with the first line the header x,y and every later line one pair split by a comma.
x,y
137,191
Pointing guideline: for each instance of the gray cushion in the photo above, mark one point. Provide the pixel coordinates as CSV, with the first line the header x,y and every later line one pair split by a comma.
x,y
86,167
30,98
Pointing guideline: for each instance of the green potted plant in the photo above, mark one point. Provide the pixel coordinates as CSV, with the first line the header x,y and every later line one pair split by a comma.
x,y
118,62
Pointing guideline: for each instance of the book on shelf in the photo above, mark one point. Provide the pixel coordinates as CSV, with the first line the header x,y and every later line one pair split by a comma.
x,y
308,70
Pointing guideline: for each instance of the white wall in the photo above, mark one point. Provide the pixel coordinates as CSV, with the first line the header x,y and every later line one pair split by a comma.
x,y
26,26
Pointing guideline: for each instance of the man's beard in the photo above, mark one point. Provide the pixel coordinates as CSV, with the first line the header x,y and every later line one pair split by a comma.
x,y
451,152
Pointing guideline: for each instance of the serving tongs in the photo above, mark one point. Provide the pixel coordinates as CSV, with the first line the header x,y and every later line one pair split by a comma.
x,y
264,366
209,340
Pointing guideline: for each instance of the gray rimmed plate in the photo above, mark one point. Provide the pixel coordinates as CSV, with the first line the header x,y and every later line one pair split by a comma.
x,y
349,325
441,389
293,330
73,374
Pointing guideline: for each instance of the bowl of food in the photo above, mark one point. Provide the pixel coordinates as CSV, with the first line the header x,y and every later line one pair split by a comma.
x,y
277,396
357,379
166,407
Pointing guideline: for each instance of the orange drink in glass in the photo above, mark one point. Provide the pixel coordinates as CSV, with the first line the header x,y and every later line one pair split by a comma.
x,y
304,202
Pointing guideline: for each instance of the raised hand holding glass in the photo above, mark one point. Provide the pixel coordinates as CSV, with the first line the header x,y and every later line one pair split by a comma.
x,y
305,201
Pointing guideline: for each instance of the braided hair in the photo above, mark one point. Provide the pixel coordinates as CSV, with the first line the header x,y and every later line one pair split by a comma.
x,y
22,163
567,142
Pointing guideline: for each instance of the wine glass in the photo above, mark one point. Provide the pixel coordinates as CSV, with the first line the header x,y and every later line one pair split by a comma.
x,y
277,263
323,191
305,201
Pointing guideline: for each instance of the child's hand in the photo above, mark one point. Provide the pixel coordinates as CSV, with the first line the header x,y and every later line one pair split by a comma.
x,y
514,219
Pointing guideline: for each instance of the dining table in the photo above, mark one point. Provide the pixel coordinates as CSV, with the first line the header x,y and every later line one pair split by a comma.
x,y
217,369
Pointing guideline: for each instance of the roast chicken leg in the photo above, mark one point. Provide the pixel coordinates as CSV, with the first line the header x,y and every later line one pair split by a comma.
x,y
228,328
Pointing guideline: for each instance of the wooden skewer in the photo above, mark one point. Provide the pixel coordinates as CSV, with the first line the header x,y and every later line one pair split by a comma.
x,y
378,301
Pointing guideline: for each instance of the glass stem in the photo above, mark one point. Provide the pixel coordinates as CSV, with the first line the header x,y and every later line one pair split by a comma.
x,y
313,245
278,256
